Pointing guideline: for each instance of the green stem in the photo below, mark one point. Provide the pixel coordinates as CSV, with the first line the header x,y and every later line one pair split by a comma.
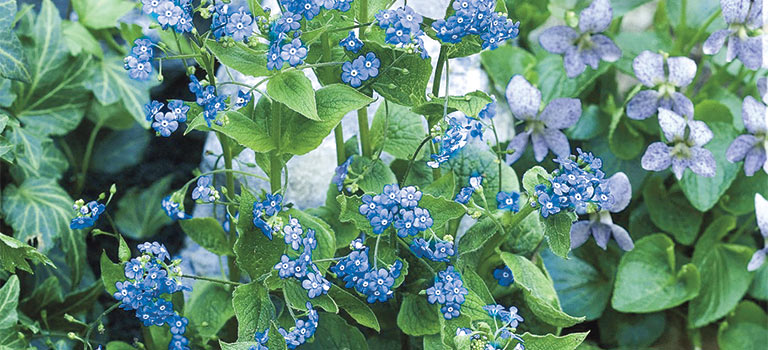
x,y
436,91
209,279
98,319
701,32
499,236
338,133
275,164
87,155
362,113
234,271
498,152
413,158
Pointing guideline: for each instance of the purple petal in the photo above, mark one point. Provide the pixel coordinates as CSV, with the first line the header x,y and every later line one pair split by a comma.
x,y
524,99
517,144
753,113
702,162
761,211
679,165
682,70
755,17
735,11
558,39
579,233
561,113
606,49
762,87
590,57
751,52
733,48
572,62
540,148
649,69
739,148
757,260
602,234
700,133
622,238
597,17
557,142
671,124
715,41
621,190
754,160
656,157
682,105
643,105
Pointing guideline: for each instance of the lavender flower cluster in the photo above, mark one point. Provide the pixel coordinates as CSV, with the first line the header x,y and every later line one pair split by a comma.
x,y
476,17
578,185
398,206
375,284
448,291
302,268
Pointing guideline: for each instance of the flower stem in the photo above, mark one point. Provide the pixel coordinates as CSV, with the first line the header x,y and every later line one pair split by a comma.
x,y
275,164
362,113
234,271
441,59
87,155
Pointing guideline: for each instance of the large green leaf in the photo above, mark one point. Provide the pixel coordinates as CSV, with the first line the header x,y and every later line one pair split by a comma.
x,y
631,330
39,209
397,130
582,288
505,62
704,192
478,158
355,307
671,212
256,254
253,309
110,83
648,279
241,57
13,64
111,273
470,104
101,14
9,301
247,132
293,89
417,317
120,149
745,329
402,80
15,254
557,230
208,233
335,333
553,82
139,213
374,174
209,308
51,161
552,342
78,39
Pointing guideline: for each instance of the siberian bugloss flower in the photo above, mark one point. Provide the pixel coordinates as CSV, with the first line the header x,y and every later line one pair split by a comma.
x,y
240,25
351,43
165,123
360,69
543,128
476,17
744,40
651,71
685,138
585,46
87,214
508,201
617,192
761,211
504,276
752,147
294,52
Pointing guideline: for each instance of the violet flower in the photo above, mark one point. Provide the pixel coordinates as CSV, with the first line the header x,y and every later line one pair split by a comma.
x,y
600,224
649,69
542,128
686,138
752,147
585,46
761,211
743,18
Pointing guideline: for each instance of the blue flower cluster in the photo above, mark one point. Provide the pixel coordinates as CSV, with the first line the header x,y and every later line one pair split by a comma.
x,y
489,111
465,194
165,123
311,8
269,207
302,268
509,318
204,191
435,250
375,284
360,69
341,173
139,62
87,214
148,277
302,330
237,24
578,185
398,206
448,291
207,99
173,208
504,276
403,28
476,17
508,201
456,136
261,339
176,14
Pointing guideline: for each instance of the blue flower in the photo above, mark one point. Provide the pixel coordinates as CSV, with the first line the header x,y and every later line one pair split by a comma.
x,y
409,197
351,43
404,223
422,219
173,209
420,248
168,14
165,123
549,205
464,195
240,25
369,206
316,285
341,173
272,204
152,108
142,47
294,52
285,267
274,61
243,97
743,18
455,291
451,310
151,6
443,250
476,17
293,236
138,69
381,220
288,22
687,138
371,65
353,74
185,23
343,5
178,325
761,213
493,310
504,276
508,201
390,196
133,269
213,107
178,108
436,294
511,318
664,75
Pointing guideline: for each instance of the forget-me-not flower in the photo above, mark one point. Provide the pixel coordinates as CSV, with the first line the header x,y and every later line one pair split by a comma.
x,y
651,71
686,138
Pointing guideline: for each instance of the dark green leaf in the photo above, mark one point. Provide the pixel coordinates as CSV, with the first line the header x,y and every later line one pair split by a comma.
x,y
582,288
631,330
671,212
293,89
256,254
334,333
405,82
209,308
110,273
120,149
139,213
744,329
208,233
417,317
355,307
253,309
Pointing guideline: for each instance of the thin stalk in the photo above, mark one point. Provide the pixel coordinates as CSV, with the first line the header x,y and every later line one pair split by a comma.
x,y
87,156
275,164
413,158
498,151
234,271
362,113
441,59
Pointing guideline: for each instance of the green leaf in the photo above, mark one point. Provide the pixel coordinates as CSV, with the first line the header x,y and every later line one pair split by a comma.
x,y
208,233
402,80
478,158
553,82
534,176
744,329
120,149
209,308
704,192
119,345
139,213
583,289
256,254
631,330
15,254
355,307
37,209
253,309
326,240
101,14
13,64
79,39
8,7
557,230
73,245
123,251
296,296
470,104
374,174
349,213
29,145
242,129
505,62
110,84
242,58
671,212
442,210
293,89
539,292
759,287
552,342
444,187
651,264
301,135
6,99
697,15
625,141
740,197
335,333
475,283
9,301
111,273
591,124
417,317
397,130
53,164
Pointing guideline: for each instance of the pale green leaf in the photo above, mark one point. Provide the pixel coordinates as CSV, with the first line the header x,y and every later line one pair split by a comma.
x,y
39,209
293,89
101,14
208,233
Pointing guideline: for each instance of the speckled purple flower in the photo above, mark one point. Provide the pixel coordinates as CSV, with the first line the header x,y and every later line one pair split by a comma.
x,y
600,225
761,211
649,69
744,17
686,138
542,128
752,147
585,46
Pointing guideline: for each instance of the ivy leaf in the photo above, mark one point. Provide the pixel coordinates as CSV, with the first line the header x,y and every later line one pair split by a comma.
x,y
256,254
253,309
335,333
557,230
552,342
15,254
209,308
29,146
741,327
397,130
417,317
241,57
9,301
37,209
101,14
651,264
79,39
671,212
120,149
293,89
13,63
139,213
110,84
538,291
355,307
208,233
